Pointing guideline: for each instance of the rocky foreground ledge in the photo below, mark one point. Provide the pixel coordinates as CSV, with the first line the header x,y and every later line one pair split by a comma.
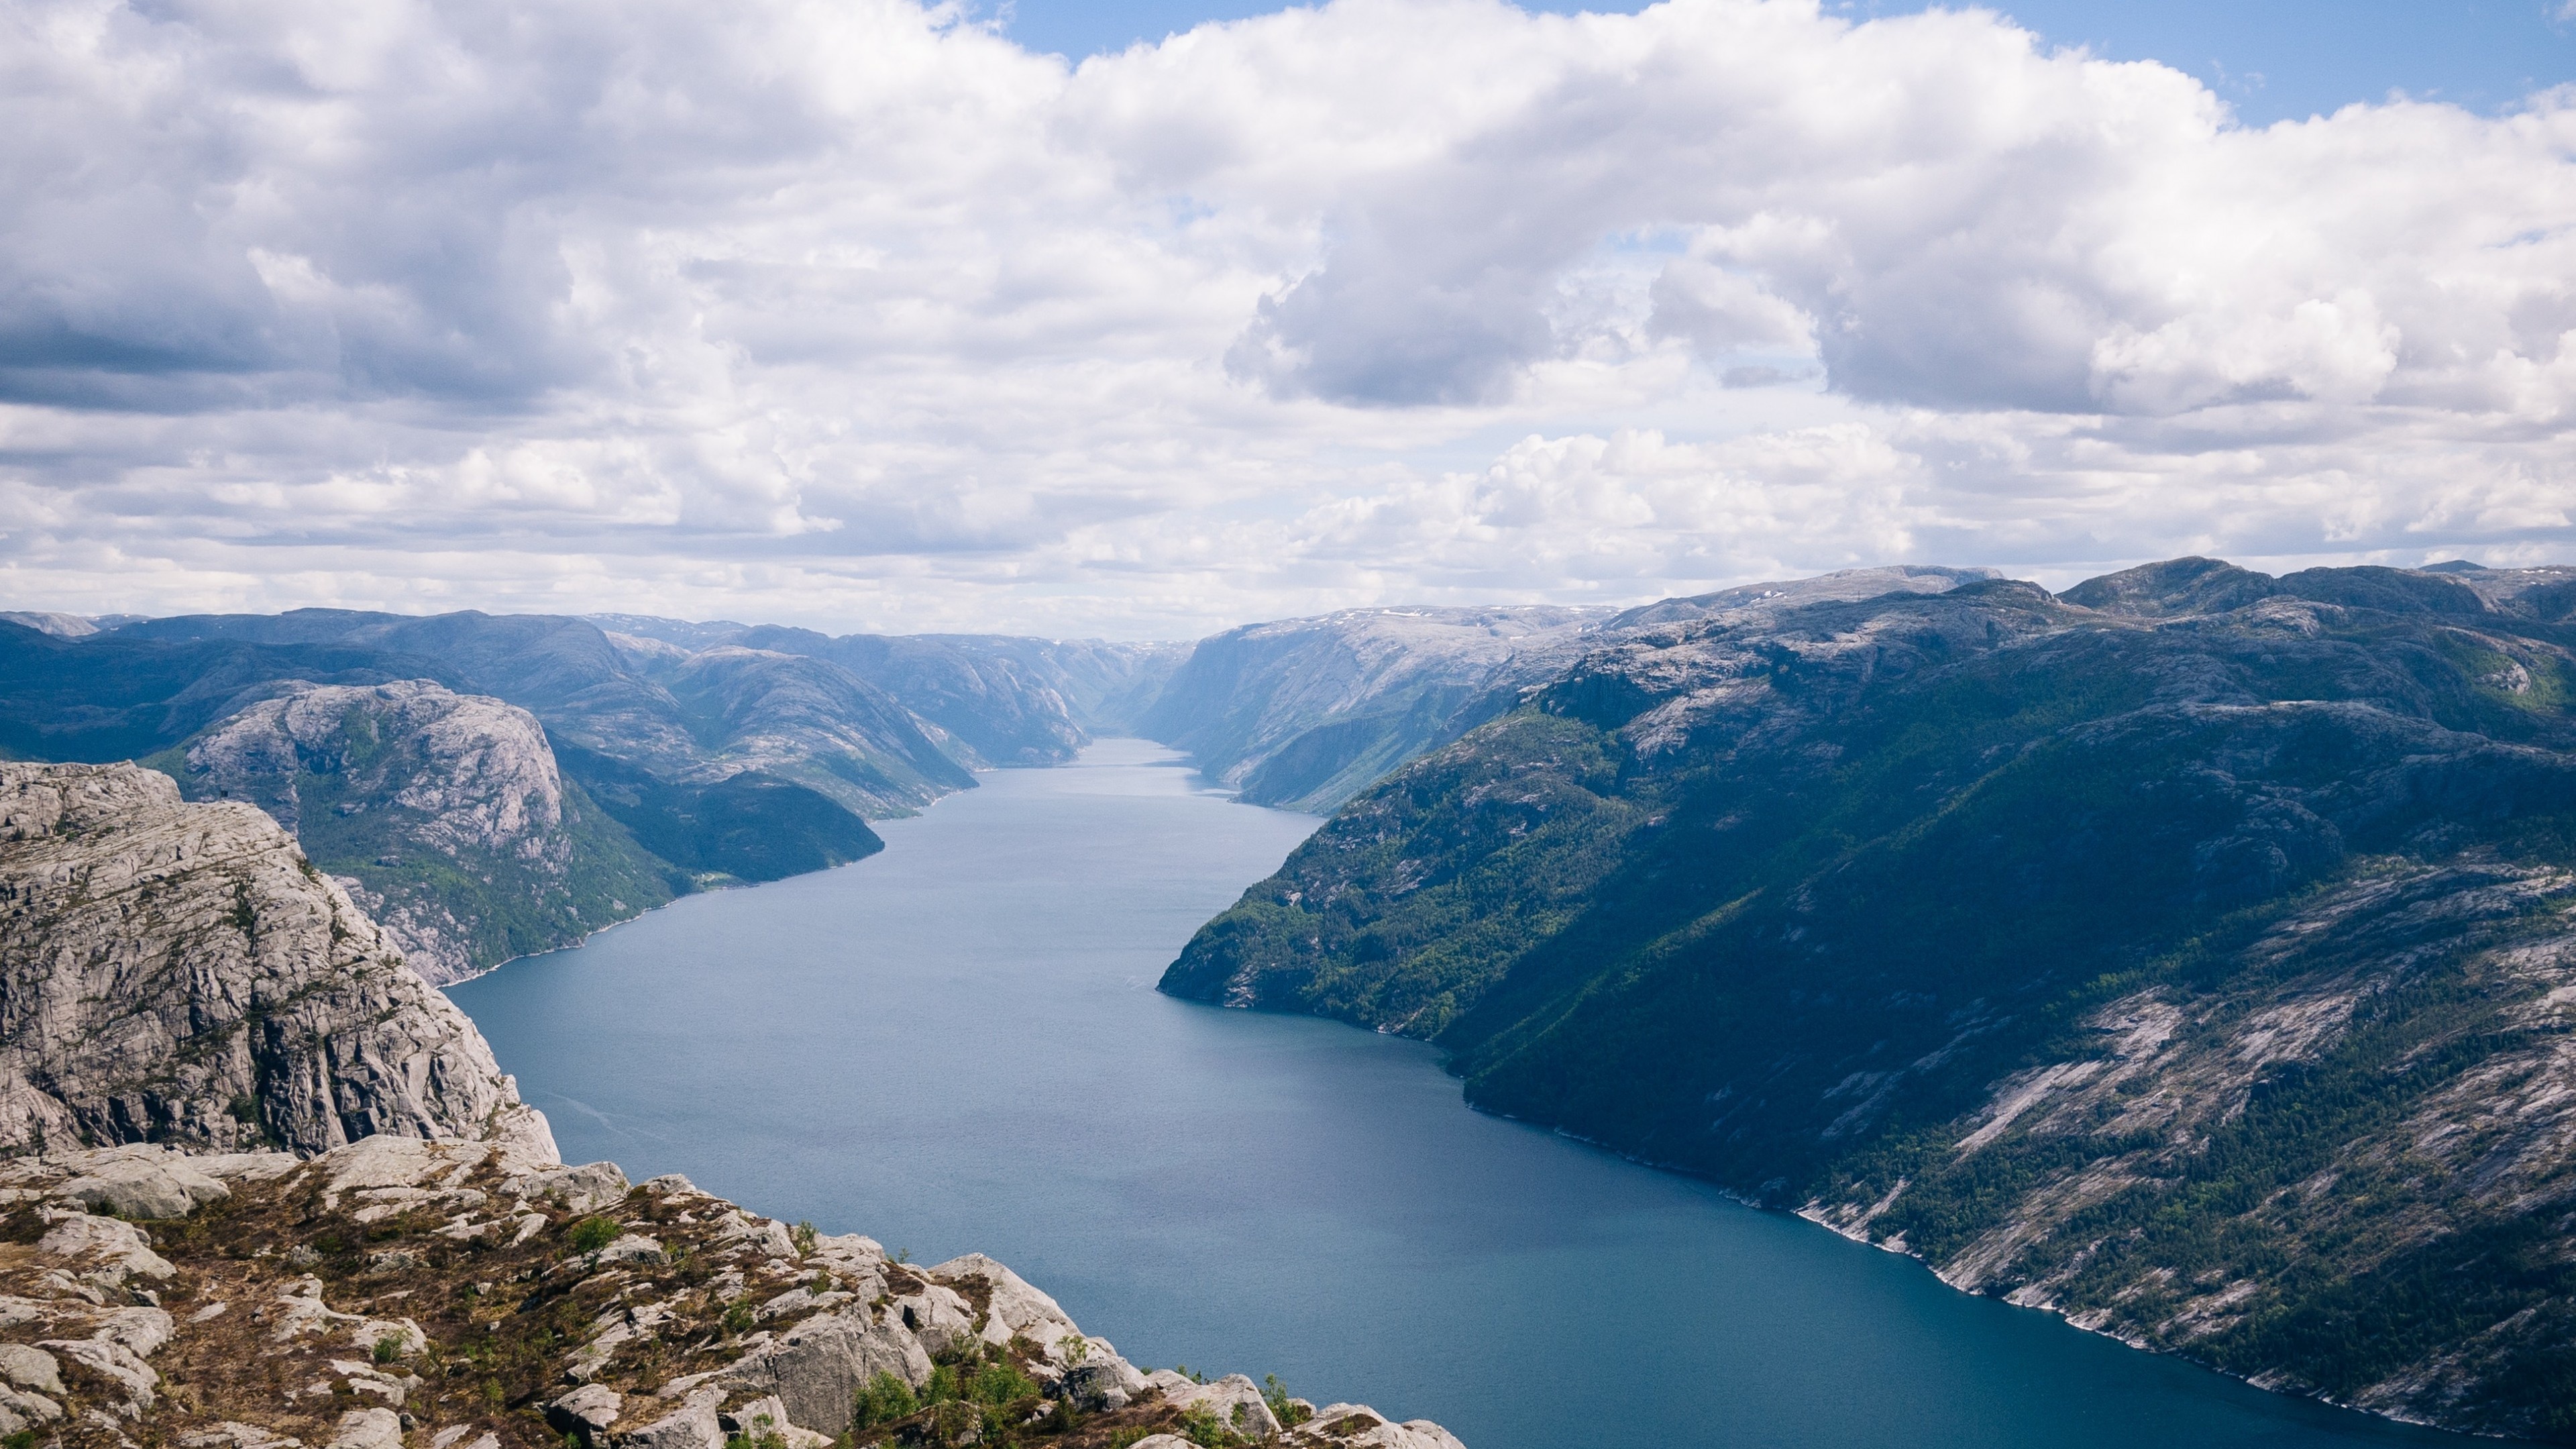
x,y
402,1293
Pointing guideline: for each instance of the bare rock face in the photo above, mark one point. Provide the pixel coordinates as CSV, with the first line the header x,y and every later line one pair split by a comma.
x,y
459,1295
181,973
444,814
492,784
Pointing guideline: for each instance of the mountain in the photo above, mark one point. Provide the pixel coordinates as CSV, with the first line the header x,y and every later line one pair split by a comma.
x,y
1002,699
1302,713
2188,954
185,995
698,721
180,973
444,814
1305,713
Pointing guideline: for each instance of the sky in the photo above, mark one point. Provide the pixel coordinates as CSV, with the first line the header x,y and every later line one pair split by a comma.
x,y
1144,320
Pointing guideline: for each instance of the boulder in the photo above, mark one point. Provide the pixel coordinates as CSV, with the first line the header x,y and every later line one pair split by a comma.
x,y
114,1250
939,1316
1013,1307
110,1360
1093,1375
585,1189
1357,1426
138,1182
407,1338
30,1368
817,1368
693,1425
585,1412
1235,1400
632,1248
766,1418
143,1330
369,1429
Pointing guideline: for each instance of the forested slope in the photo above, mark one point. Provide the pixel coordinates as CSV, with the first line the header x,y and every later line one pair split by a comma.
x,y
2188,953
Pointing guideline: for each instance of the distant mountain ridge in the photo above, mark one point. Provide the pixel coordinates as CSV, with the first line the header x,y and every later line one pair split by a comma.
x,y
1305,713
2189,953
632,767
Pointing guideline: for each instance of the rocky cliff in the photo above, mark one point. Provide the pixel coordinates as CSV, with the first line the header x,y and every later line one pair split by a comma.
x,y
416,1268
444,814
181,973
452,1295
2187,953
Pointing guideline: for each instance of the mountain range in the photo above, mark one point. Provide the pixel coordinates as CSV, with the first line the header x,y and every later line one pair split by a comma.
x,y
607,768
2189,953
2186,952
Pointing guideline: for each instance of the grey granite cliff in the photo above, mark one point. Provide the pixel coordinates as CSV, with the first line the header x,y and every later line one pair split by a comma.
x,y
181,973
444,814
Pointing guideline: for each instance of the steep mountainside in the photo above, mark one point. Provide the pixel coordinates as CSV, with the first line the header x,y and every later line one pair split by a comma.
x,y
2189,953
1305,712
176,973
698,726
444,813
180,973
401,1292
1006,700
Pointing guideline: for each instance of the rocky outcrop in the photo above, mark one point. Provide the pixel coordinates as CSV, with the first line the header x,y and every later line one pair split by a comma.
x,y
2185,953
463,1295
444,814
177,972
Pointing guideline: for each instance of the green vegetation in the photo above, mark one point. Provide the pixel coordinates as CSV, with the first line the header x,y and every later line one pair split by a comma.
x,y
592,1234
884,1400
1290,1412
1917,845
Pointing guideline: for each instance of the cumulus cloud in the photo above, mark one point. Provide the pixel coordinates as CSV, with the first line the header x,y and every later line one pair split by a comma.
x,y
856,314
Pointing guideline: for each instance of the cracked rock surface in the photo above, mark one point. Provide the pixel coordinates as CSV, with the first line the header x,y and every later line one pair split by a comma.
x,y
181,973
406,1293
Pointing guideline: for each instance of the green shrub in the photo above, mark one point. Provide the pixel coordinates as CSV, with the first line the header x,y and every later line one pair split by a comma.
x,y
951,1422
999,1383
1275,1394
942,1386
760,1433
389,1347
884,1399
592,1234
1199,1426
803,1235
738,1318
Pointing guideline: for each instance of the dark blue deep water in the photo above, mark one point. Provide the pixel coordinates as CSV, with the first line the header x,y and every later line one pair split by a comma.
x,y
956,1045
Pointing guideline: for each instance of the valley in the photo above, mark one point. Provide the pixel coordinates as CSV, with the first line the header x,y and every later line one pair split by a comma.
x,y
2181,954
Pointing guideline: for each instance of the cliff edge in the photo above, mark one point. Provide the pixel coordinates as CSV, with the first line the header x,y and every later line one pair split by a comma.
x,y
181,974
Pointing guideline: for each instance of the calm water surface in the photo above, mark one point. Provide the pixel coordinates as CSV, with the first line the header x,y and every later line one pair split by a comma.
x,y
956,1045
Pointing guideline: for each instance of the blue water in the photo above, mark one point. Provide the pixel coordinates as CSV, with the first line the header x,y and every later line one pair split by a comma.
x,y
956,1045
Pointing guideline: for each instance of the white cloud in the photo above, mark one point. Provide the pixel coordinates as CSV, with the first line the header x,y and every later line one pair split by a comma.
x,y
853,314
